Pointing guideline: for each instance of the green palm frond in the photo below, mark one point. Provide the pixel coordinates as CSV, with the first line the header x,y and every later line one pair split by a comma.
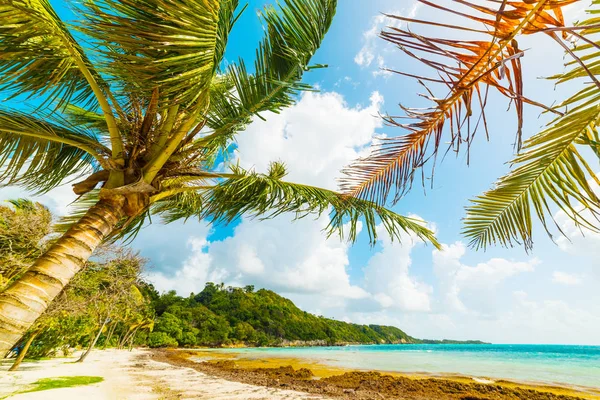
x,y
79,116
39,155
166,44
184,204
294,32
549,169
38,55
77,210
228,16
247,193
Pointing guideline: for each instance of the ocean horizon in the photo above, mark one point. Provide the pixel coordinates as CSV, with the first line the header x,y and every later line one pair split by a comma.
x,y
571,365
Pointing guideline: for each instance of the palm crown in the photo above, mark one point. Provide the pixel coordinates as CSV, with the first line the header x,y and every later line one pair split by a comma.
x,y
144,110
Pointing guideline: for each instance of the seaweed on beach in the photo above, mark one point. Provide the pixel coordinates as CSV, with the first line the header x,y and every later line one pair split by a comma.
x,y
365,385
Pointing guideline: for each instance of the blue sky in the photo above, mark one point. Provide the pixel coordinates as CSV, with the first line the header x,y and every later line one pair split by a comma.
x,y
502,295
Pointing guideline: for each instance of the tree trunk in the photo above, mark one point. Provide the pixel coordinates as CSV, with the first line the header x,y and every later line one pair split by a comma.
x,y
23,351
132,338
93,343
110,334
120,341
28,297
123,341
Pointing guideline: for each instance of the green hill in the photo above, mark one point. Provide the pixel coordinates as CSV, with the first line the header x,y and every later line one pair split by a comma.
x,y
225,316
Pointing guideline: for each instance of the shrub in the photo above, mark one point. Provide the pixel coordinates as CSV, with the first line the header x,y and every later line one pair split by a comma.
x,y
161,339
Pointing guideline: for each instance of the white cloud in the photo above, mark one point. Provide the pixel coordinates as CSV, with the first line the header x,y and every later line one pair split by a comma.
x,y
277,254
365,55
564,278
549,321
577,240
290,257
473,289
388,278
372,49
195,271
316,138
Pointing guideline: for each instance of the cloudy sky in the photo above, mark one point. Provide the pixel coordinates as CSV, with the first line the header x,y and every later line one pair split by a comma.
x,y
503,295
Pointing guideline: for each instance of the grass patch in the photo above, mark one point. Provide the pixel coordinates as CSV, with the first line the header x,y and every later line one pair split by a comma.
x,y
58,383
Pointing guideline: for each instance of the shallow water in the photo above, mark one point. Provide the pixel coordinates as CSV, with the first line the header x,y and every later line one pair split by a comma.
x,y
564,364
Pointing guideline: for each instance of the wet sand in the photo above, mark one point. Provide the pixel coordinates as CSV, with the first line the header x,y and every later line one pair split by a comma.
x,y
314,378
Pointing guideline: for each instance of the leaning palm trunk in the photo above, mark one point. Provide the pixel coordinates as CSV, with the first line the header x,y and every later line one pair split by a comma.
x,y
111,330
132,338
27,298
24,350
93,342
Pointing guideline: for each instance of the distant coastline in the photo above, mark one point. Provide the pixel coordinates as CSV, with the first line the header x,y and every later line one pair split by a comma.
x,y
231,317
320,343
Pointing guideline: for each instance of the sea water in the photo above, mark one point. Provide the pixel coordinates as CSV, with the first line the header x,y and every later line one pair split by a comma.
x,y
552,364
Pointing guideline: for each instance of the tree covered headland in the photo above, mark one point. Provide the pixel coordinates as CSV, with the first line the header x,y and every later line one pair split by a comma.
x,y
220,315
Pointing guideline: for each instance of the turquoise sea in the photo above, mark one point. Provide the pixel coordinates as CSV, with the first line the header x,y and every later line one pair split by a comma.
x,y
554,364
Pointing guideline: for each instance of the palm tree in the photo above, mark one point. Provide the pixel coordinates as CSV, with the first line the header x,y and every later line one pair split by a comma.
x,y
137,100
549,167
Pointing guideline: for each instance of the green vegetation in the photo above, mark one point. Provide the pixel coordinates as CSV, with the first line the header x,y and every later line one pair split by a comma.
x,y
102,298
23,227
63,382
222,315
60,382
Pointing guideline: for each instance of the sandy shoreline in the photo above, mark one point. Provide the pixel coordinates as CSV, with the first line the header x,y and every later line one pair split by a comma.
x,y
131,375
179,374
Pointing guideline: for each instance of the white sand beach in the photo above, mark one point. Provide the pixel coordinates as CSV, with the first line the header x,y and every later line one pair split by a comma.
x,y
130,376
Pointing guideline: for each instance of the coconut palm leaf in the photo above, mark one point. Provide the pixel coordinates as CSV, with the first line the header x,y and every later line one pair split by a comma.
x,y
293,33
39,57
247,193
79,116
39,154
468,68
550,169
166,44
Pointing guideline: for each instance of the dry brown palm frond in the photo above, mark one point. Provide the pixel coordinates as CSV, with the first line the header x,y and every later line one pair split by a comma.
x,y
467,69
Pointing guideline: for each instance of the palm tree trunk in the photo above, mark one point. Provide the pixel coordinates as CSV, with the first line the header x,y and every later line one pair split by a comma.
x,y
124,339
120,341
28,297
93,342
24,350
110,334
132,338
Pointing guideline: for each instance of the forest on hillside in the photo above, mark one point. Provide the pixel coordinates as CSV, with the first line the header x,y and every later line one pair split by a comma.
x,y
220,315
